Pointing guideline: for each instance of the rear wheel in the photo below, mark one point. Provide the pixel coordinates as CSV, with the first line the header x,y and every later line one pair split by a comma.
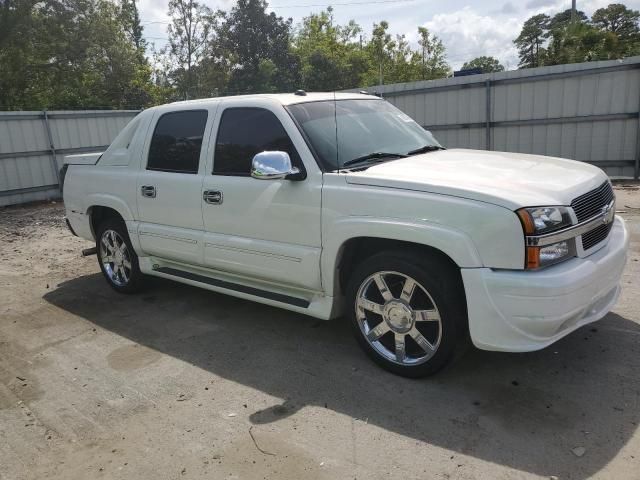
x,y
407,313
116,257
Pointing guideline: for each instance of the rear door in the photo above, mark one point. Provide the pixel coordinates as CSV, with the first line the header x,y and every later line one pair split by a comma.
x,y
264,229
170,185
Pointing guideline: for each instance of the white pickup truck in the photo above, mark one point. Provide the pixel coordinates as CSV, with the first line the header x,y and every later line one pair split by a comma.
x,y
332,205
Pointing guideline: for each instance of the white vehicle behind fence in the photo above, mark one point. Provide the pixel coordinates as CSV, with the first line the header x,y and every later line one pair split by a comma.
x,y
341,205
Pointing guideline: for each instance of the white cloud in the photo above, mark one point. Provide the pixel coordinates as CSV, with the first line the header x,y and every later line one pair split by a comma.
x,y
468,28
535,4
508,8
467,34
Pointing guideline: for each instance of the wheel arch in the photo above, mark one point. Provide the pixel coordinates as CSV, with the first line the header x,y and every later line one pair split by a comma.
x,y
361,238
98,213
357,249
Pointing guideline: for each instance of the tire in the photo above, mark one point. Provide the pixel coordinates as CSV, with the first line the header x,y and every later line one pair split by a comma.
x,y
117,258
410,331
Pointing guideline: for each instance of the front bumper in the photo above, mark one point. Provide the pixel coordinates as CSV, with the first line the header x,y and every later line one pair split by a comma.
x,y
520,311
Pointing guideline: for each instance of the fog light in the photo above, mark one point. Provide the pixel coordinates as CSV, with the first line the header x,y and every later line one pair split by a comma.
x,y
553,253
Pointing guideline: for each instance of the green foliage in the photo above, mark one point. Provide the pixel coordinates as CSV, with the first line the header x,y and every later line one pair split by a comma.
x,y
563,19
432,56
485,64
92,53
531,40
130,18
69,54
256,49
190,34
622,24
331,57
611,33
579,42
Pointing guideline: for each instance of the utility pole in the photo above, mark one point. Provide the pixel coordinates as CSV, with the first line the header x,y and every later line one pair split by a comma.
x,y
573,11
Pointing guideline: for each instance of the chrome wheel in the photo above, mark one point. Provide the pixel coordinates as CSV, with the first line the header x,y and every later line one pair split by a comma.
x,y
115,258
398,318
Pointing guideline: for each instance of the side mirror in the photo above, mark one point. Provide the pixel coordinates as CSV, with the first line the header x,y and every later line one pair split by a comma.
x,y
274,165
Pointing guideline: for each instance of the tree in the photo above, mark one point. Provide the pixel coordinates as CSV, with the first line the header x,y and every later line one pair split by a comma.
x,y
379,48
69,54
189,37
433,62
485,64
563,19
131,22
256,49
330,56
578,42
618,19
622,25
531,40
612,32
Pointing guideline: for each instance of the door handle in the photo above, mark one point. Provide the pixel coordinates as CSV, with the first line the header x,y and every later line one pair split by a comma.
x,y
213,197
148,191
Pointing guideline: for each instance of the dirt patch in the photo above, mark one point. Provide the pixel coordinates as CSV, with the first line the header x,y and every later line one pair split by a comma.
x,y
132,357
196,385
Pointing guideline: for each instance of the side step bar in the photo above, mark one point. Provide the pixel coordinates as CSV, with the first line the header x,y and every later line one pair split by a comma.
x,y
278,297
89,251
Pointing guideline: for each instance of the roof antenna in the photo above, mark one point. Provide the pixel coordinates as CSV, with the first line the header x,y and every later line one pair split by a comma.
x,y
335,120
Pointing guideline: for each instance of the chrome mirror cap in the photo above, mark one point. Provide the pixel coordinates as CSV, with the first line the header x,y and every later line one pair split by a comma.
x,y
275,165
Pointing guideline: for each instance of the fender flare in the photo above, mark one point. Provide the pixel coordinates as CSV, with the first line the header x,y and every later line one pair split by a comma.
x,y
110,201
457,245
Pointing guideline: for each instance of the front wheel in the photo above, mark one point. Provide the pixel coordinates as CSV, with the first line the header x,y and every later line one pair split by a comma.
x,y
407,313
116,257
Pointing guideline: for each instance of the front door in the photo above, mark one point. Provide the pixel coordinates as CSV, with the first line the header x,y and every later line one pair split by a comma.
x,y
169,187
262,229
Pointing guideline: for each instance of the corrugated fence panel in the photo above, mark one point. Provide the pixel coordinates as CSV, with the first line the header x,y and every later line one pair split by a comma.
x,y
587,111
27,169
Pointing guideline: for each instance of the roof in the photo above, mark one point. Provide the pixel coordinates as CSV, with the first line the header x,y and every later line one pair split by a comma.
x,y
286,98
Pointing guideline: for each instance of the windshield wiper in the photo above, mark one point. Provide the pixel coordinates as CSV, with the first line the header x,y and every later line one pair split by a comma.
x,y
372,156
425,149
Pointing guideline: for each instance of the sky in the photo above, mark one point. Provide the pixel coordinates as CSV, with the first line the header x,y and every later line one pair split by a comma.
x,y
468,29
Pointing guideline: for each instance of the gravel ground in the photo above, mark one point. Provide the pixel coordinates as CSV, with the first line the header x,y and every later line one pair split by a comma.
x,y
182,383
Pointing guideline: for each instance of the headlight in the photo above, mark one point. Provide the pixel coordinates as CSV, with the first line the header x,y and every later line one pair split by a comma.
x,y
540,220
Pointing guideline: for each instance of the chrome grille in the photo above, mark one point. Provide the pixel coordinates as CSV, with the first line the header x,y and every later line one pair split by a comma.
x,y
595,236
591,203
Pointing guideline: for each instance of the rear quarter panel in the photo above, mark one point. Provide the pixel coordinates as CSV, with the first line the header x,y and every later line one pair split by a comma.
x,y
105,184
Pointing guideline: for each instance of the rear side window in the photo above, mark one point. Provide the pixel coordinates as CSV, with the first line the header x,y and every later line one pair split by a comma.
x,y
176,142
243,132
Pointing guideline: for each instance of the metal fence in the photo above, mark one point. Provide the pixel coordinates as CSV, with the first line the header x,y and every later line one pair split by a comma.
x,y
33,144
585,111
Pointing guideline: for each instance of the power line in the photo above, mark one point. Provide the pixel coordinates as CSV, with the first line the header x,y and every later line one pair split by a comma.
x,y
346,4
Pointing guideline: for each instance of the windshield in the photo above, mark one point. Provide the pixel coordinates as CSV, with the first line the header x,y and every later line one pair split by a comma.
x,y
363,127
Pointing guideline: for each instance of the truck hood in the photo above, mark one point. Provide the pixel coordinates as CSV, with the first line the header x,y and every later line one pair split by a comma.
x,y
511,180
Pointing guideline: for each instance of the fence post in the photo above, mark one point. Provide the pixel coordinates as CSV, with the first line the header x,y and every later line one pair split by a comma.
x,y
636,168
488,114
52,148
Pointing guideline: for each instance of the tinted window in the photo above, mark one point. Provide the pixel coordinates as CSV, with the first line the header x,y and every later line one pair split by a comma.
x,y
175,145
243,132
